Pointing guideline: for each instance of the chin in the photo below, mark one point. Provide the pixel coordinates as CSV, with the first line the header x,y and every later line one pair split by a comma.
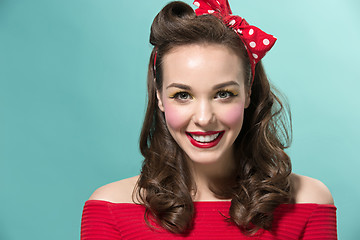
x,y
206,157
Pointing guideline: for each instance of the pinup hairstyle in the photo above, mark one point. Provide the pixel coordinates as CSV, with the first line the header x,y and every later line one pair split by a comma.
x,y
261,178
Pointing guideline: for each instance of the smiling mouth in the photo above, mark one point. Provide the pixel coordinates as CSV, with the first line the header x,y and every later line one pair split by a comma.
x,y
205,139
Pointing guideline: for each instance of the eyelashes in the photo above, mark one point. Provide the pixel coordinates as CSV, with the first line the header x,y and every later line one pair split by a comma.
x,y
181,96
223,94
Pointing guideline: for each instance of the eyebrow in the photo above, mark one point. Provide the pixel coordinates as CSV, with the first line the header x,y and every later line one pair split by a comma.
x,y
179,85
225,84
186,87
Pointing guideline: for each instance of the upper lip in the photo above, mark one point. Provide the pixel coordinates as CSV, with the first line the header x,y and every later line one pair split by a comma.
x,y
204,133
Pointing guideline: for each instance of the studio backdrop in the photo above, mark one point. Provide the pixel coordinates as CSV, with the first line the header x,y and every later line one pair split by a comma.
x,y
73,95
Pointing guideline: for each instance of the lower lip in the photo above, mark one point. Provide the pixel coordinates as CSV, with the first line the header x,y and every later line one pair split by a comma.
x,y
205,145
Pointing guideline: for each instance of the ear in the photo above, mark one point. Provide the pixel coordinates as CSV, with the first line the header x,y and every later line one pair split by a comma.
x,y
247,98
160,104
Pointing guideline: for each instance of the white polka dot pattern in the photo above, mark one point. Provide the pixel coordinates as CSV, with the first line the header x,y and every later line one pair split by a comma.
x,y
256,42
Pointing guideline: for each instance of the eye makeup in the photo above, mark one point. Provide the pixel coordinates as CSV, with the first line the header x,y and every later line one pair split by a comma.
x,y
181,95
225,95
233,93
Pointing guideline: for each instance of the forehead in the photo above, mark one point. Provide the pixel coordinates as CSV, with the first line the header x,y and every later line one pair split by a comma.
x,y
202,64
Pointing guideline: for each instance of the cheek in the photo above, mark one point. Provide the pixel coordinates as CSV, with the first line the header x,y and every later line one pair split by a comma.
x,y
232,115
176,117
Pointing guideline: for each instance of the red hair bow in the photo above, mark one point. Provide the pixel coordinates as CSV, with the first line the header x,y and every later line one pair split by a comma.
x,y
256,41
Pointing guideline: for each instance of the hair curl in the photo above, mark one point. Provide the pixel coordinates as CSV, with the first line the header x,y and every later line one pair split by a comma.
x,y
261,181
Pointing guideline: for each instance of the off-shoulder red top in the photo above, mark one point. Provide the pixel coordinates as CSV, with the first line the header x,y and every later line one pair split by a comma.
x,y
105,220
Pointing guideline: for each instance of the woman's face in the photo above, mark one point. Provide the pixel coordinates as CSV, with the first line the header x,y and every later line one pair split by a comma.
x,y
203,97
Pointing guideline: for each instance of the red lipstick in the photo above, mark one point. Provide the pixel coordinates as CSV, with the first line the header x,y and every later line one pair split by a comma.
x,y
205,144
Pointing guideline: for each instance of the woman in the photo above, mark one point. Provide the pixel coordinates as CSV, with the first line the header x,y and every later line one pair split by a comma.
x,y
213,143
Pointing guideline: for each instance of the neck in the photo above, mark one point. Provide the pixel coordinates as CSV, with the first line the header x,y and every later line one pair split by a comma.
x,y
212,176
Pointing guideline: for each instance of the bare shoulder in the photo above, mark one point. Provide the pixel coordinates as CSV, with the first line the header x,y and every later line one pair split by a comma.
x,y
310,190
116,192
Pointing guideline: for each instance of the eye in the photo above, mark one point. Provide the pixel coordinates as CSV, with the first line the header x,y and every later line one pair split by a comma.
x,y
181,96
224,94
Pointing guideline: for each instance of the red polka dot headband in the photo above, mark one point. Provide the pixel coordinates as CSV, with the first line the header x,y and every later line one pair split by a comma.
x,y
257,42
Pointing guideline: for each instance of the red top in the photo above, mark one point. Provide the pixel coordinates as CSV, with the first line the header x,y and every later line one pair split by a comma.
x,y
105,220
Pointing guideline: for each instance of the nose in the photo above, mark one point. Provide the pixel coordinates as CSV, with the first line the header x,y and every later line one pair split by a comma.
x,y
204,114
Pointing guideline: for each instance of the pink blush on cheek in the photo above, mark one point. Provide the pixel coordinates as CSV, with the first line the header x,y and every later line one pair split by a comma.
x,y
174,117
232,116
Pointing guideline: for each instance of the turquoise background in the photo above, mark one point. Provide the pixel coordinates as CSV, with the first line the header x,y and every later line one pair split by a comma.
x,y
72,100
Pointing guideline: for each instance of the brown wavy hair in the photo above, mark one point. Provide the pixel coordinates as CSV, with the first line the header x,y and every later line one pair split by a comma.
x,y
261,180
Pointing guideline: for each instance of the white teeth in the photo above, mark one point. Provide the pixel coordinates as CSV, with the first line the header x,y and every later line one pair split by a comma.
x,y
205,139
